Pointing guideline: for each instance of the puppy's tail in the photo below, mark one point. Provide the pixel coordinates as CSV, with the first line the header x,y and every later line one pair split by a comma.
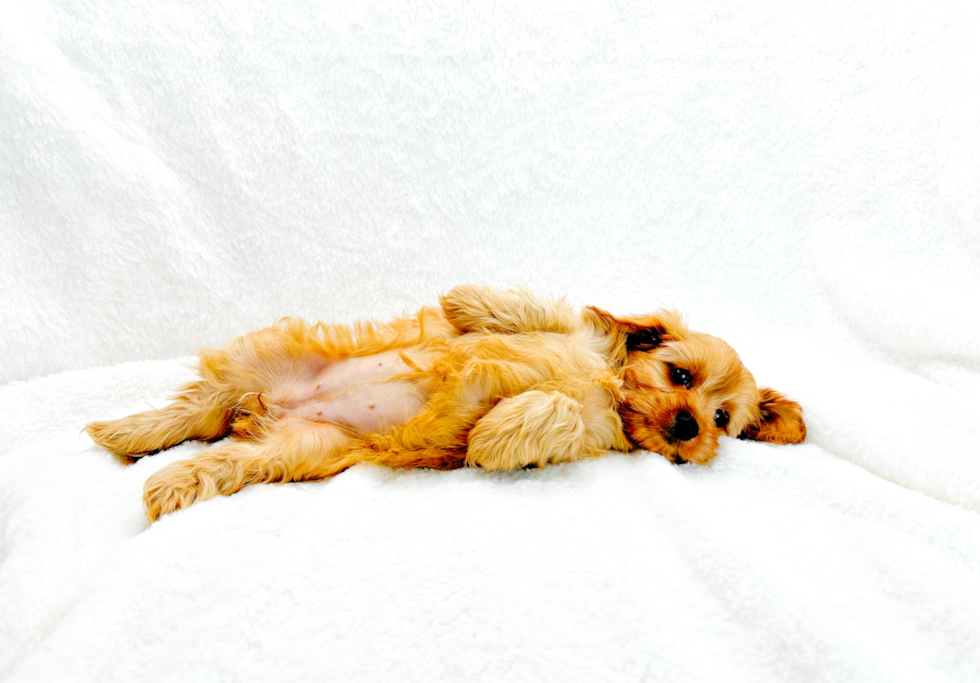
x,y
247,417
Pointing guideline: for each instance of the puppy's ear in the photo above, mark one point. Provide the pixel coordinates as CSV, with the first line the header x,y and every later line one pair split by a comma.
x,y
779,420
637,333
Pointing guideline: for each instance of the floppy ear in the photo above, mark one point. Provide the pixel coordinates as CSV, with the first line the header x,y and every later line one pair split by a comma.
x,y
779,420
637,333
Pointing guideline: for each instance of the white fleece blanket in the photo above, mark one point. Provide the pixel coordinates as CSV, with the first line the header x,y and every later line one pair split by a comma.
x,y
802,183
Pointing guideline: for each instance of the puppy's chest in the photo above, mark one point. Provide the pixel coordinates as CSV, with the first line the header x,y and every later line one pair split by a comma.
x,y
501,366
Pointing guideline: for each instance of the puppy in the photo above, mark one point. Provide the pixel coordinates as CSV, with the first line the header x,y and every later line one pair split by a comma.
x,y
492,379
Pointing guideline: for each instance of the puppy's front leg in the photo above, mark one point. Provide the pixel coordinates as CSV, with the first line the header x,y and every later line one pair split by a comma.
x,y
474,308
532,428
282,455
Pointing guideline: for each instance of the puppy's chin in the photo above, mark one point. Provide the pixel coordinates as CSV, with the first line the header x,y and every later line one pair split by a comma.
x,y
648,422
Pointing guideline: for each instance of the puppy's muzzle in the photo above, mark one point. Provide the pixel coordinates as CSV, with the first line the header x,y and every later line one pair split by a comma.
x,y
684,427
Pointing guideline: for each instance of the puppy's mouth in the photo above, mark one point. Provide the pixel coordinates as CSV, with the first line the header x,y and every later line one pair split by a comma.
x,y
670,436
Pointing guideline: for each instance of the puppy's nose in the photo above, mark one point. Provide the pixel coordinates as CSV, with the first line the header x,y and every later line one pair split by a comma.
x,y
685,427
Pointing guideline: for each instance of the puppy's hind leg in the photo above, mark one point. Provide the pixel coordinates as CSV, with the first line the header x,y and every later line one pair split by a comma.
x,y
294,450
286,452
198,411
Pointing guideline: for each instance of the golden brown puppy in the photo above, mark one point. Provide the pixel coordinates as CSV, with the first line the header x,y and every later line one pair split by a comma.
x,y
492,379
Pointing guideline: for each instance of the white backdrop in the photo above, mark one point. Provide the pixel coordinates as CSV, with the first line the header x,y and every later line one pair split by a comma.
x,y
174,175
802,182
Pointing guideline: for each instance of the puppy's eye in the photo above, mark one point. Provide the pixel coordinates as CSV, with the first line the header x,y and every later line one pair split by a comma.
x,y
721,418
681,377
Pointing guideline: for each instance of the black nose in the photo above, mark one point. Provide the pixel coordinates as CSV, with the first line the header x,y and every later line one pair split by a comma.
x,y
685,427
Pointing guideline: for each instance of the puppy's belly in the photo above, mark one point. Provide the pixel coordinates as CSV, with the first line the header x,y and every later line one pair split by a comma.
x,y
359,393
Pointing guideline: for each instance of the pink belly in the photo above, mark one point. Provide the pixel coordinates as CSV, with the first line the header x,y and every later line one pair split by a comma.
x,y
358,393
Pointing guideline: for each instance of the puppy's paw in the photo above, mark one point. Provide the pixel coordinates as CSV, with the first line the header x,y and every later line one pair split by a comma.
x,y
465,307
111,437
100,433
173,488
534,428
474,308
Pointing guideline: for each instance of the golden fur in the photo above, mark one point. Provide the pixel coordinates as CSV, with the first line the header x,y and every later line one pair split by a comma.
x,y
491,379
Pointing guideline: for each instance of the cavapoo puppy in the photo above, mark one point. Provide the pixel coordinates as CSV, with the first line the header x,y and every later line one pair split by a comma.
x,y
492,379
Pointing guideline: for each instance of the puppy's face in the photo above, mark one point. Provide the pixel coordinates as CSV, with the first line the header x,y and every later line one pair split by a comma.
x,y
683,390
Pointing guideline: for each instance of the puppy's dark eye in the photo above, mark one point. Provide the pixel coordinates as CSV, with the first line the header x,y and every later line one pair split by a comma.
x,y
721,418
681,377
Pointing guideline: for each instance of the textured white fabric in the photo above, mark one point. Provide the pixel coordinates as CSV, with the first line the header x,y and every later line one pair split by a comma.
x,y
800,182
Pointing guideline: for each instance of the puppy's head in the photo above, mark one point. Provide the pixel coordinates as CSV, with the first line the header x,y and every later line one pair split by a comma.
x,y
682,390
